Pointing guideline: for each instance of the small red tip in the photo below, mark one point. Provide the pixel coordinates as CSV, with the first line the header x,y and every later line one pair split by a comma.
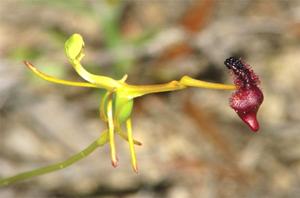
x,y
138,143
135,169
114,163
251,120
246,103
27,63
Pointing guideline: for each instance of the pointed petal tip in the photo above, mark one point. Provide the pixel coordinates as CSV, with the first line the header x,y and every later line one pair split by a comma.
x,y
251,121
254,128
28,64
114,162
135,168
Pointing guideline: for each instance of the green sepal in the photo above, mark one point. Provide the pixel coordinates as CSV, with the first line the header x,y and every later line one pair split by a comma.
x,y
123,105
74,47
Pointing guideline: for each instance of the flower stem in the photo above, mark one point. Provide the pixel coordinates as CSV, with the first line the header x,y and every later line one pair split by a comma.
x,y
58,166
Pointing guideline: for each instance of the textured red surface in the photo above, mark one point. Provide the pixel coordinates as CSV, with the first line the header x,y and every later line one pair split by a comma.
x,y
246,102
248,97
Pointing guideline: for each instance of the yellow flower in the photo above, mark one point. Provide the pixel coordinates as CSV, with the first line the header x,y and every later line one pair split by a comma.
x,y
117,104
115,107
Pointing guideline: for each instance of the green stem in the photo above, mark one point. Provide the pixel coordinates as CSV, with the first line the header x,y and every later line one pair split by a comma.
x,y
58,166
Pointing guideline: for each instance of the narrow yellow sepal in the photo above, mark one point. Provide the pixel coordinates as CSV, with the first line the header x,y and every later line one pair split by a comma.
x,y
111,132
191,82
56,80
131,146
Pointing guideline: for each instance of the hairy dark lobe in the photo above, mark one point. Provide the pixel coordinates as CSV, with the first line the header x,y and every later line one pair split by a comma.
x,y
248,97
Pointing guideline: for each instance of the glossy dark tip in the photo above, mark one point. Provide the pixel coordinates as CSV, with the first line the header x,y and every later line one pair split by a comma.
x,y
233,63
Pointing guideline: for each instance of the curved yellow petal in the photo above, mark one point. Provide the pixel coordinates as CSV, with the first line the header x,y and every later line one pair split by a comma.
x,y
56,80
101,81
74,47
125,137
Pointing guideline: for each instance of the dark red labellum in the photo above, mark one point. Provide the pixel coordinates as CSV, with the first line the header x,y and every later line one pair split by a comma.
x,y
248,97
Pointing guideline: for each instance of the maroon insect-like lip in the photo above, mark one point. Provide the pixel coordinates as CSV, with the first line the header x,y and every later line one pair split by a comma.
x,y
248,97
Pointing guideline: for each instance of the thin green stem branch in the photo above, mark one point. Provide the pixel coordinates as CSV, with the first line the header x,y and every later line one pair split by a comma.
x,y
58,166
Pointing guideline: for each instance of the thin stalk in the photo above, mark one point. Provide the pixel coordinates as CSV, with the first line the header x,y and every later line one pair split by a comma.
x,y
58,166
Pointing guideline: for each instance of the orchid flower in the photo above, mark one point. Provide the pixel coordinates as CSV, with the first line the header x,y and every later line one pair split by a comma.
x,y
115,107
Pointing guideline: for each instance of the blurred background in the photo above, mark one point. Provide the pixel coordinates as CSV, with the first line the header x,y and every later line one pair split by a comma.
x,y
194,145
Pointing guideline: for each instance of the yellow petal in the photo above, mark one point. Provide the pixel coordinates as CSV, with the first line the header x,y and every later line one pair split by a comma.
x,y
111,133
74,47
56,80
131,146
